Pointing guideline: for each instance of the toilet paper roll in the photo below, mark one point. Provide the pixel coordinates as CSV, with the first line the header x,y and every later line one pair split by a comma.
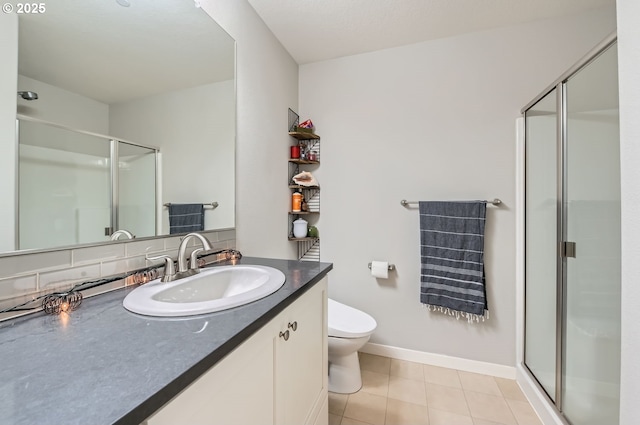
x,y
380,269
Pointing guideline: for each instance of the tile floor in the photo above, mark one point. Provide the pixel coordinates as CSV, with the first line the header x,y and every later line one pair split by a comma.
x,y
397,392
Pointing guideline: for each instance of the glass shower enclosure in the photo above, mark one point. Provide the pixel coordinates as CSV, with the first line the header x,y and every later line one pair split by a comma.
x,y
76,187
572,240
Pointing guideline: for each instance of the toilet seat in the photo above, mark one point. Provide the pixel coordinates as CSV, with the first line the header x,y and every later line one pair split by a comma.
x,y
348,322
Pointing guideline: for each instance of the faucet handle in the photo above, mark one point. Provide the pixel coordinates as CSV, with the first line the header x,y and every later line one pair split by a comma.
x,y
193,262
169,266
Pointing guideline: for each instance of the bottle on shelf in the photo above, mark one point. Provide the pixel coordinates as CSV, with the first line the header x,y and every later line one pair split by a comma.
x,y
295,152
296,201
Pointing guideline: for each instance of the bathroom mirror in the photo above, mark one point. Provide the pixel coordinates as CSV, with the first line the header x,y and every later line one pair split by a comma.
x,y
159,74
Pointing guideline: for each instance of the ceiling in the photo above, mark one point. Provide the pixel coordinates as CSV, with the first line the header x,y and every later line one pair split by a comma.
x,y
151,47
316,30
113,54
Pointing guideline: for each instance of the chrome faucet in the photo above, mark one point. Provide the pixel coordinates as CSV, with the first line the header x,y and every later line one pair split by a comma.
x,y
116,235
182,251
170,273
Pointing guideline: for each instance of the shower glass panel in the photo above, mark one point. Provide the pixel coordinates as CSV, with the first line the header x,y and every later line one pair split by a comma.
x,y
541,246
76,187
64,187
591,361
137,189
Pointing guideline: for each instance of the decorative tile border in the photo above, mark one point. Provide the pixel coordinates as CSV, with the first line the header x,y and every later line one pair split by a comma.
x,y
25,276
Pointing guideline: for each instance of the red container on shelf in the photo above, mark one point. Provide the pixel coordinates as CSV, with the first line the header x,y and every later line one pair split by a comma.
x,y
295,152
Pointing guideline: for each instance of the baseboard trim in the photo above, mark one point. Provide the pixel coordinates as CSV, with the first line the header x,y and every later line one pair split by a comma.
x,y
500,371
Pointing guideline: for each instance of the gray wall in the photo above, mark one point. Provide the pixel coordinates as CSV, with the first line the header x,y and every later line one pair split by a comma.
x,y
430,121
267,86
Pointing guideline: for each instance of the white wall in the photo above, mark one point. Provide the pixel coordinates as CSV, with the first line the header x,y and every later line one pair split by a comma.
x,y
8,89
267,84
194,129
629,68
63,107
430,121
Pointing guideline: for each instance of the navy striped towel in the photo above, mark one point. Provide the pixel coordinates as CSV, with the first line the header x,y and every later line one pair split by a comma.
x,y
452,258
184,218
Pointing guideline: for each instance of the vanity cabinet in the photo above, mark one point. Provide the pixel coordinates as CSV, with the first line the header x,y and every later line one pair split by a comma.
x,y
277,376
301,360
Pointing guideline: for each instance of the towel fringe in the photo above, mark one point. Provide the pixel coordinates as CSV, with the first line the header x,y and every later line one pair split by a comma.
x,y
450,312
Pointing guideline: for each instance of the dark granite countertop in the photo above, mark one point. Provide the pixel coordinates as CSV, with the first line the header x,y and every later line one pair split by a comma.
x,y
102,364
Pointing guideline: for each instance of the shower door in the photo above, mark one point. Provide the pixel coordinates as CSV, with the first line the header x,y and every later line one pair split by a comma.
x,y
64,186
76,187
541,253
572,241
591,367
136,189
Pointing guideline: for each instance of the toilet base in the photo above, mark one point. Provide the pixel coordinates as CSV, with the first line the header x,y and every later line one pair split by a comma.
x,y
344,374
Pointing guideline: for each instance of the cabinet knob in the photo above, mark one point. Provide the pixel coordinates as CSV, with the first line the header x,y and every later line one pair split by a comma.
x,y
284,335
293,326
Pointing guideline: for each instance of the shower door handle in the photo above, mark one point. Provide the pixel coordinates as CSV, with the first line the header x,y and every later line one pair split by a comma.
x,y
569,249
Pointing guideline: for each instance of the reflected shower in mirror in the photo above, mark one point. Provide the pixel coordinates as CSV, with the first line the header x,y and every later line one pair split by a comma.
x,y
158,74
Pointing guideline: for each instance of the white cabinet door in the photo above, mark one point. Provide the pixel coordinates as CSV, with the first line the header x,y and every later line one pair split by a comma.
x,y
267,380
301,359
238,390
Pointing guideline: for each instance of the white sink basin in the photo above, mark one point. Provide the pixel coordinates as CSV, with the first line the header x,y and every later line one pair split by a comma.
x,y
214,289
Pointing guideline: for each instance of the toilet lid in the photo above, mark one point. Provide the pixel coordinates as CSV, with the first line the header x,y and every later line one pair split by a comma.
x,y
348,322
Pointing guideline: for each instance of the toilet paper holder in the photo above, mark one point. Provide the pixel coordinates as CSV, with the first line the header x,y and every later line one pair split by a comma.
x,y
390,267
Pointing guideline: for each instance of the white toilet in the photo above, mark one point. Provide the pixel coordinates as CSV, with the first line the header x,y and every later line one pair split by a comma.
x,y
349,330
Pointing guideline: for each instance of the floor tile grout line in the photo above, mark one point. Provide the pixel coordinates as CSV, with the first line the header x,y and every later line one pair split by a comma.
x,y
466,400
386,406
477,392
426,395
426,383
512,412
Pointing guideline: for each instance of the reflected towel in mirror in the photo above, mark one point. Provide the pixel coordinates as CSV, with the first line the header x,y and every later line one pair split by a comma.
x,y
184,218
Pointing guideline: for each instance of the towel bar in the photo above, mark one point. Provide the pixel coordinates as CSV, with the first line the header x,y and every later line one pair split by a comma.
x,y
210,204
405,203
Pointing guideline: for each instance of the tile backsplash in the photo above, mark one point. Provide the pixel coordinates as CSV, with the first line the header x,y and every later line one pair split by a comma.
x,y
24,276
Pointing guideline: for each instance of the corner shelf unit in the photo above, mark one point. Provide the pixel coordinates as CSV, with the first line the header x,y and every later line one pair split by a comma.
x,y
308,247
